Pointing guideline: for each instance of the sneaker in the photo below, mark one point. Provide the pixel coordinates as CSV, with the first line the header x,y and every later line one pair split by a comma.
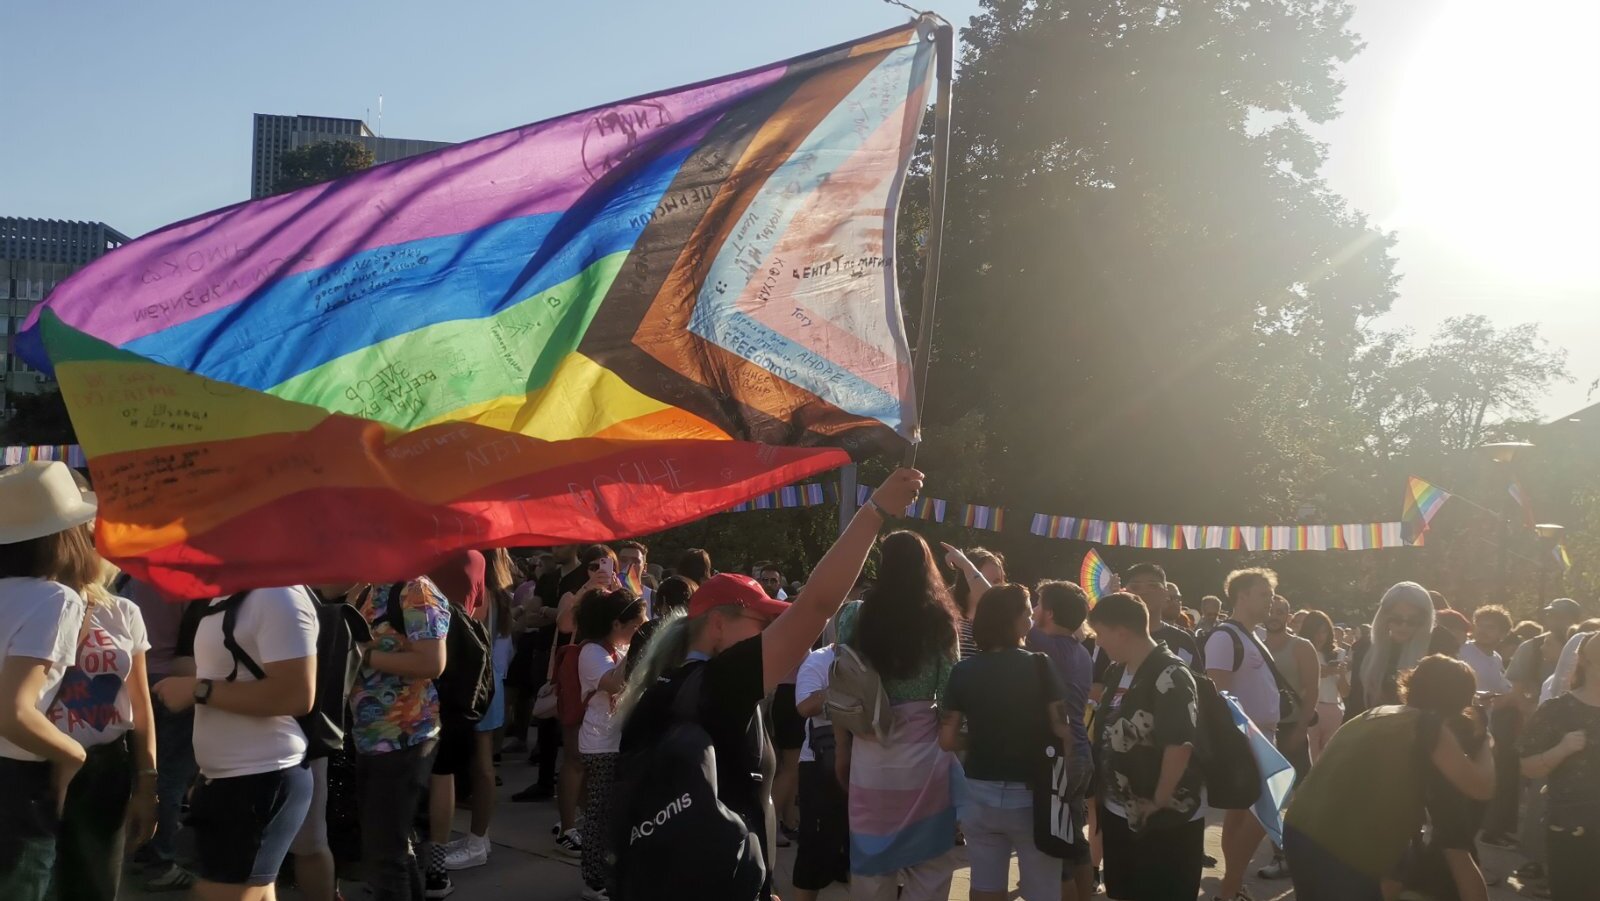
x,y
473,852
1499,840
514,746
595,894
1278,869
569,843
534,792
438,886
783,839
173,879
1241,895
1209,861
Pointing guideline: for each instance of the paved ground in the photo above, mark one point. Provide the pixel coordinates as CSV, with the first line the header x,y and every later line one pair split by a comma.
x,y
524,865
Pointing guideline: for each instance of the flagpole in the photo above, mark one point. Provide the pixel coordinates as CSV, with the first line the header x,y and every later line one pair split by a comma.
x,y
944,52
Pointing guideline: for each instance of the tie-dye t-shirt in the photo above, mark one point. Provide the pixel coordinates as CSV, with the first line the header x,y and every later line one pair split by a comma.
x,y
388,712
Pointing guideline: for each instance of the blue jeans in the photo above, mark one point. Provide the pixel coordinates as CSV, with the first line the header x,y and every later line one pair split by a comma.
x,y
176,771
997,821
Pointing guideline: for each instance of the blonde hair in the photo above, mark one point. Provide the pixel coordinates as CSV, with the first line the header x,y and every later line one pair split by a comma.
x,y
1401,594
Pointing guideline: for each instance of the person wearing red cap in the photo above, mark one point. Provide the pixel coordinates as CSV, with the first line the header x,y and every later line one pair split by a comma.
x,y
743,644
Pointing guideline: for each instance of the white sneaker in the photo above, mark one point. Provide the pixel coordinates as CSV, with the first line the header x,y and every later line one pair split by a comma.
x,y
595,894
473,852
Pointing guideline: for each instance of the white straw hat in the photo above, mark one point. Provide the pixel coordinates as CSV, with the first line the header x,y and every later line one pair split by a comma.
x,y
40,498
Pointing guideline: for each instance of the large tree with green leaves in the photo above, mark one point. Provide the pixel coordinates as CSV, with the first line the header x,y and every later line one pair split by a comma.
x,y
1148,289
319,162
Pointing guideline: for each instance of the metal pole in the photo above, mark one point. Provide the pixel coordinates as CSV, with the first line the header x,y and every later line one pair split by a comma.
x,y
944,51
1505,538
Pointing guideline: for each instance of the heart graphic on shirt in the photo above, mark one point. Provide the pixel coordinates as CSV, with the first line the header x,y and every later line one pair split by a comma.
x,y
87,700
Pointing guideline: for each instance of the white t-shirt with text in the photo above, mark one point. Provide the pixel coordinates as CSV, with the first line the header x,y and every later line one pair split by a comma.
x,y
93,705
1252,684
274,624
595,735
812,678
38,619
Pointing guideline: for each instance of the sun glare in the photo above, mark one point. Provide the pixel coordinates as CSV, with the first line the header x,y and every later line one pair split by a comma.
x,y
1497,136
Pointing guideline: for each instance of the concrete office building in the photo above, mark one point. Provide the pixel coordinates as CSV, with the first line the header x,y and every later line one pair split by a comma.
x,y
35,256
276,135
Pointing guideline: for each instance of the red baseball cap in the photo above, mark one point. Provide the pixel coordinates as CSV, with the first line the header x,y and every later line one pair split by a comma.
x,y
734,590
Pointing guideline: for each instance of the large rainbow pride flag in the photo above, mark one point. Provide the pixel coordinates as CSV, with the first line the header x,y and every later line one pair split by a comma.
x,y
604,324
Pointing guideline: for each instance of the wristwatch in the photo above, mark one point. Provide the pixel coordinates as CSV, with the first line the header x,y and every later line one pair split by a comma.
x,y
202,691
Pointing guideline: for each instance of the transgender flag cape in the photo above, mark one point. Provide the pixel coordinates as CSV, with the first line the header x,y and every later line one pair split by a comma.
x,y
605,324
1277,774
903,794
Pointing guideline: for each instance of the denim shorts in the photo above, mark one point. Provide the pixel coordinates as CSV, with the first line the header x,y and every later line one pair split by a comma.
x,y
243,825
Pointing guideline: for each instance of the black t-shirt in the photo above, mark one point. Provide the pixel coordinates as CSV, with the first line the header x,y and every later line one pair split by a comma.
x,y
1003,694
1178,641
730,711
1099,662
1573,788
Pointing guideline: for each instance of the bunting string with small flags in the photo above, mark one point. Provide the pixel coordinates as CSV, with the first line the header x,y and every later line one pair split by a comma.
x,y
70,454
1118,533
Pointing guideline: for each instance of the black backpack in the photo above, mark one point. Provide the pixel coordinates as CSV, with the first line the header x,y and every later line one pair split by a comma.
x,y
672,837
340,633
1222,752
1228,766
467,684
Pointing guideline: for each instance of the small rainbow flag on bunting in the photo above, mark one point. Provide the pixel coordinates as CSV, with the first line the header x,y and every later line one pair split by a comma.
x,y
977,516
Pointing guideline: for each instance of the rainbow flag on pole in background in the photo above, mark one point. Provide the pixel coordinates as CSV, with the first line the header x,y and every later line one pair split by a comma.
x,y
1422,502
604,324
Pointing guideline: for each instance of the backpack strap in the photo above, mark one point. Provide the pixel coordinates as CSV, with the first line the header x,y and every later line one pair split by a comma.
x,y
230,619
1266,657
1238,645
1041,667
360,629
686,703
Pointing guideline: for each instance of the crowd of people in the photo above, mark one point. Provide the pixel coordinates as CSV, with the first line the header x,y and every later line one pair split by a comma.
x,y
689,723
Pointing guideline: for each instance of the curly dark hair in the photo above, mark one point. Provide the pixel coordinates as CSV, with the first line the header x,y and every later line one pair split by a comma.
x,y
907,617
1438,683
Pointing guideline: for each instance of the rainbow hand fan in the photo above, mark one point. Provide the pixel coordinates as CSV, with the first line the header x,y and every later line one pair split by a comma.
x,y
1095,577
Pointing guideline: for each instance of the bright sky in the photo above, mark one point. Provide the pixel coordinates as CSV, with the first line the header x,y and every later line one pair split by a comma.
x,y
1471,132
